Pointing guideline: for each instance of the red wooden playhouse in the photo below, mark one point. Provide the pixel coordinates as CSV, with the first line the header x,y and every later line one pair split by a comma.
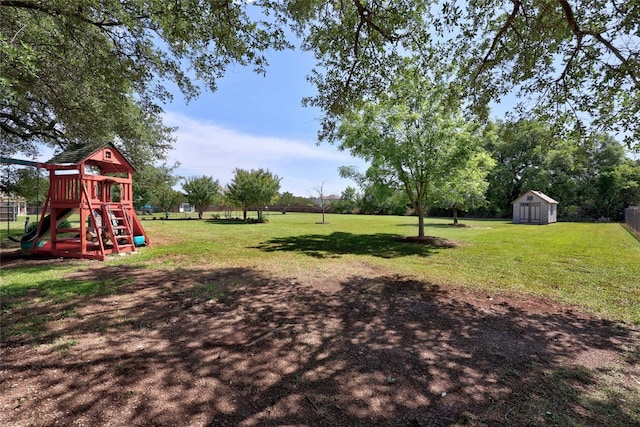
x,y
94,181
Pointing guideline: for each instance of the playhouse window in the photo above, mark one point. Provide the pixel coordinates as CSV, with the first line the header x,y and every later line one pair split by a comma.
x,y
529,198
91,170
107,154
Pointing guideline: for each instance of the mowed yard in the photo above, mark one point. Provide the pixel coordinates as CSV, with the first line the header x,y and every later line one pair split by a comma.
x,y
339,324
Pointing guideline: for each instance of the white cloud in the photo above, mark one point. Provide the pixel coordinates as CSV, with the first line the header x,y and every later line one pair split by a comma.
x,y
206,148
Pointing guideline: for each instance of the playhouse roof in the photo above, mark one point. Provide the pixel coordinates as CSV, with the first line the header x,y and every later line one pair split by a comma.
x,y
540,194
87,153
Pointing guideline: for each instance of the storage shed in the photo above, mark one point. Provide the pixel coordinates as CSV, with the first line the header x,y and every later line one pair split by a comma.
x,y
535,207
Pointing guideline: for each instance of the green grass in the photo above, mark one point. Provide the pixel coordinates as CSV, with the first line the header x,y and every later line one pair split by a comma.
x,y
594,266
591,265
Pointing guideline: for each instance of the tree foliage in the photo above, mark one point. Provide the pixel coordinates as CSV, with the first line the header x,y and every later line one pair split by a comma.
x,y
379,195
28,183
285,200
520,150
201,191
254,188
466,186
348,202
575,64
155,187
573,61
83,70
591,178
412,137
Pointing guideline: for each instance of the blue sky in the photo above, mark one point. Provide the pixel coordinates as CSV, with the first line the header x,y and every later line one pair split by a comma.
x,y
254,121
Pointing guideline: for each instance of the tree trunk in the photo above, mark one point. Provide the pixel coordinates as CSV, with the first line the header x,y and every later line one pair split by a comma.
x,y
420,210
455,216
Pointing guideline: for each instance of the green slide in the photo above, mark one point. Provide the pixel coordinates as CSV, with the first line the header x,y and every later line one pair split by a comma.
x,y
33,233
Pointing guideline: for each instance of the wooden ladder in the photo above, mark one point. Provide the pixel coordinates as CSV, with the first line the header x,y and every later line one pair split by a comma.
x,y
119,227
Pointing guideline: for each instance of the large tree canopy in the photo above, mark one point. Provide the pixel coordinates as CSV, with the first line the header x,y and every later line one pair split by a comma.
x,y
84,70
590,178
77,70
567,59
575,63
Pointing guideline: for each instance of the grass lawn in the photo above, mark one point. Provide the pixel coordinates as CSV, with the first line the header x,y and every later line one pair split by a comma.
x,y
50,308
595,266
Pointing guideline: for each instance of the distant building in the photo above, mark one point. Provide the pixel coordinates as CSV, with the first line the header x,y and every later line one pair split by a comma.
x,y
187,208
535,207
11,207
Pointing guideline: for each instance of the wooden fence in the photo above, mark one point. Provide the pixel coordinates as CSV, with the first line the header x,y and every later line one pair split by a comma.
x,y
632,217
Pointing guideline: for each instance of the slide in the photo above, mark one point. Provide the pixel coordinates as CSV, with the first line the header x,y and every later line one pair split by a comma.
x,y
31,235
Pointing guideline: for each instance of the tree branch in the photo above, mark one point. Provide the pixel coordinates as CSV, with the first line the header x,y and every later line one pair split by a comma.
x,y
573,56
41,7
365,17
575,28
496,39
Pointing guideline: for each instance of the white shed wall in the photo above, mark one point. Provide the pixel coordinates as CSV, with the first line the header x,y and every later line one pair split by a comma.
x,y
532,209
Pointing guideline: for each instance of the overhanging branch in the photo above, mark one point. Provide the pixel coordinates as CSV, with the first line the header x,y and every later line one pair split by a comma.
x,y
579,32
494,44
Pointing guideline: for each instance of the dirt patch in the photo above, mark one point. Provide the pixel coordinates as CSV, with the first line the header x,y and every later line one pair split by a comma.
x,y
239,347
435,242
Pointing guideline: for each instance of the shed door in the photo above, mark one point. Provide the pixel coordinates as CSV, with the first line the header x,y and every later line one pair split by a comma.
x,y
530,212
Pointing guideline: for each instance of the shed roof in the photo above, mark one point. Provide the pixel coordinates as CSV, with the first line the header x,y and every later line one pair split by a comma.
x,y
539,194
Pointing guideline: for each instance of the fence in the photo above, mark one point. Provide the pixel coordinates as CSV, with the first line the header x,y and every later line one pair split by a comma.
x,y
9,212
632,217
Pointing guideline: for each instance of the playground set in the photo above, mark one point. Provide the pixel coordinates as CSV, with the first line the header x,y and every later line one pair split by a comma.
x,y
94,181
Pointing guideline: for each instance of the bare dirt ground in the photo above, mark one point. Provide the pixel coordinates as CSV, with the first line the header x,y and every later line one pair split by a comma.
x,y
240,347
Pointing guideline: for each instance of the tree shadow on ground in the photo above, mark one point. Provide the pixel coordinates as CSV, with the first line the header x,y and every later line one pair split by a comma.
x,y
333,245
239,348
448,223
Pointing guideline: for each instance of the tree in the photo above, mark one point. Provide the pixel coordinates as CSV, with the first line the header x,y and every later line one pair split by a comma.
x,y
27,183
413,136
151,179
348,202
285,201
380,196
78,71
617,187
157,189
609,181
255,188
590,177
320,200
201,191
576,64
466,186
85,70
166,199
520,149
